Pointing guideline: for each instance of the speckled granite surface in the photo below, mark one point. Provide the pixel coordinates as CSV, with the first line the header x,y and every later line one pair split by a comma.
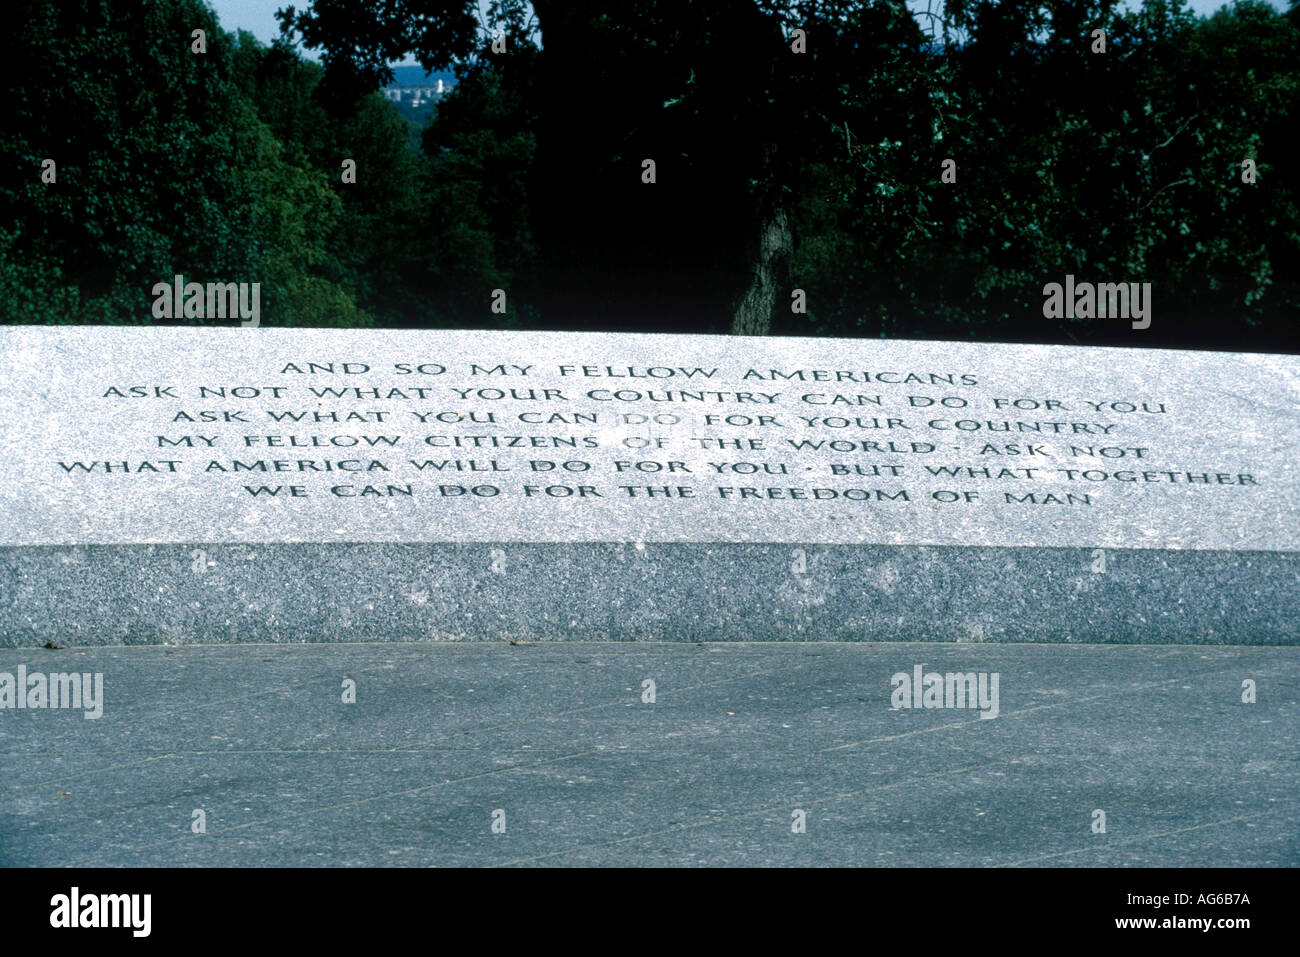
x,y
212,485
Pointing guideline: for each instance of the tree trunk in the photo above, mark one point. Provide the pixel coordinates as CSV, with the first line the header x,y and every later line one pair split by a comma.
x,y
770,278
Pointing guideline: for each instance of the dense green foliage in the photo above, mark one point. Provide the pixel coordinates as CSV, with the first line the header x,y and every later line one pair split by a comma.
x,y
1122,166
165,164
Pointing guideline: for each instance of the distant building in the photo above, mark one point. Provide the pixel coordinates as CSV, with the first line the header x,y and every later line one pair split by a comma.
x,y
416,95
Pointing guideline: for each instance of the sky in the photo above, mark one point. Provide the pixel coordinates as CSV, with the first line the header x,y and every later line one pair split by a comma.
x,y
255,16
258,16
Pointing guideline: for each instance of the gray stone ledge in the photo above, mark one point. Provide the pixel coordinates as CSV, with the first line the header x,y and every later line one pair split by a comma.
x,y
153,594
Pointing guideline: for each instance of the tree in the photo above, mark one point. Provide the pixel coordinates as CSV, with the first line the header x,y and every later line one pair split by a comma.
x,y
163,166
359,38
145,141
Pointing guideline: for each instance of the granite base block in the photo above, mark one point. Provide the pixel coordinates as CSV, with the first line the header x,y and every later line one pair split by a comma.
x,y
199,594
